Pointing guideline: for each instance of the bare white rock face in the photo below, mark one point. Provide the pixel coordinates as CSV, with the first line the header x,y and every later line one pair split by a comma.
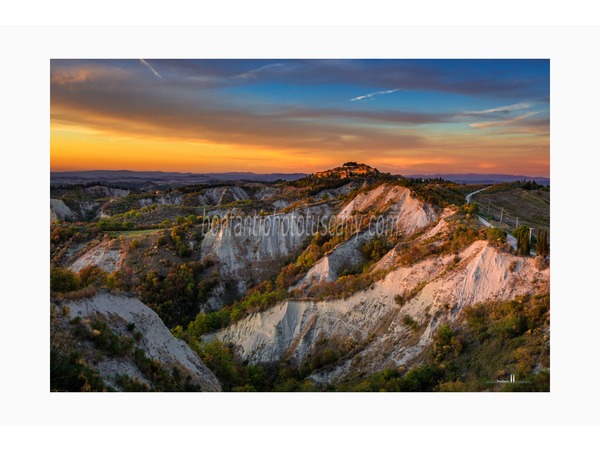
x,y
58,210
109,260
372,318
250,245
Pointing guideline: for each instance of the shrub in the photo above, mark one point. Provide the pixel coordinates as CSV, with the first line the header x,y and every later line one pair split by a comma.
x,y
421,379
92,275
105,339
446,344
69,373
453,386
469,208
409,322
400,299
63,280
495,236
374,250
86,292
114,281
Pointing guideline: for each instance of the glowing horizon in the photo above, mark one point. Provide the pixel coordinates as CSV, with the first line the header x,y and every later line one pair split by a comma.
x,y
202,116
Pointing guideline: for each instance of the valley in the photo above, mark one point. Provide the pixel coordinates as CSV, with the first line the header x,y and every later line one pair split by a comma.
x,y
349,279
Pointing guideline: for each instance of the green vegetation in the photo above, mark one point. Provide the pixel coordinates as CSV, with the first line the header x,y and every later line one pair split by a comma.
x,y
315,250
495,236
257,299
159,267
177,297
61,233
162,379
494,338
375,250
401,299
70,372
409,322
522,235
344,286
462,232
435,191
63,280
233,374
66,283
542,246
469,208
312,185
134,232
531,206
100,333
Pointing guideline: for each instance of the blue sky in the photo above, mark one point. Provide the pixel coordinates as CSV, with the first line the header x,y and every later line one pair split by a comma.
x,y
402,116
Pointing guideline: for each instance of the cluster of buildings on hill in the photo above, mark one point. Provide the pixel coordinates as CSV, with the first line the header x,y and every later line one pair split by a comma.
x,y
349,169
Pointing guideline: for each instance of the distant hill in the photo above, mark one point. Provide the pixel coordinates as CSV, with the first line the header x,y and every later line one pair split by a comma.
x,y
482,178
151,179
154,178
348,170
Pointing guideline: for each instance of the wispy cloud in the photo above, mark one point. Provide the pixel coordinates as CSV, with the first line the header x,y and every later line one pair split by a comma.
x,y
253,73
145,63
501,123
372,94
502,109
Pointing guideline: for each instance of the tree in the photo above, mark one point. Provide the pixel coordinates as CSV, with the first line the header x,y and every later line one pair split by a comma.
x,y
92,275
63,280
469,208
374,250
543,246
522,235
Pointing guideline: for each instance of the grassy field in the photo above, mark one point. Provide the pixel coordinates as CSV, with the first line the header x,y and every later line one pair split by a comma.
x,y
532,208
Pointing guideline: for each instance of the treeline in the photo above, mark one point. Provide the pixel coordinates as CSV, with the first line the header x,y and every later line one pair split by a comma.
x,y
64,281
314,185
435,191
70,187
529,185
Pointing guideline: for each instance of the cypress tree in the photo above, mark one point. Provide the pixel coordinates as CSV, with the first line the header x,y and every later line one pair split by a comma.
x,y
522,235
543,247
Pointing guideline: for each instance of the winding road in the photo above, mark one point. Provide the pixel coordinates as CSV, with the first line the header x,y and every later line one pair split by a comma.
x,y
468,197
512,241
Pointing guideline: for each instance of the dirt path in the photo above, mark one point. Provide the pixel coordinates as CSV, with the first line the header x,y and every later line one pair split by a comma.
x,y
512,241
468,197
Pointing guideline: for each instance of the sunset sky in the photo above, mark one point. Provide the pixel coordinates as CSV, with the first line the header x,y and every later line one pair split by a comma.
x,y
263,116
